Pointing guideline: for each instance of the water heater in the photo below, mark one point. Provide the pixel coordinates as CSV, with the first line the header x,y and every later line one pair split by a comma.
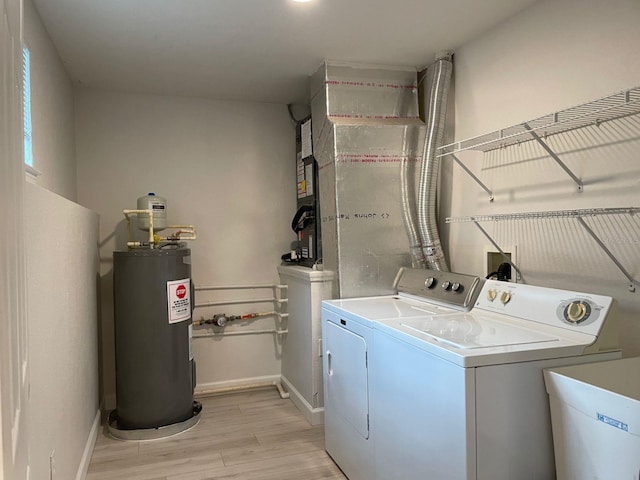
x,y
155,369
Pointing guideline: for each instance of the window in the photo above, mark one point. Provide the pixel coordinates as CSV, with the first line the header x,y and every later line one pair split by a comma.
x,y
26,84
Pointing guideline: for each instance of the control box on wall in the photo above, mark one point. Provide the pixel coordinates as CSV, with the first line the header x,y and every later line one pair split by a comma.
x,y
306,222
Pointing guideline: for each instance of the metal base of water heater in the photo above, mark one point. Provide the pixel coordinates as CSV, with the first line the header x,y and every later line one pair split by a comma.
x,y
152,433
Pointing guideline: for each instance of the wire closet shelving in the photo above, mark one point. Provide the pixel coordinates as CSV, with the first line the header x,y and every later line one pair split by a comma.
x,y
612,107
596,112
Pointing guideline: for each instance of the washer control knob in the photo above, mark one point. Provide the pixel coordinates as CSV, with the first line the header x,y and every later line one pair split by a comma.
x,y
505,297
446,285
455,286
576,311
430,282
491,295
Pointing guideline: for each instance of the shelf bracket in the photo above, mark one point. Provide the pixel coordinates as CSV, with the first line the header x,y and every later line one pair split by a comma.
x,y
472,175
497,247
633,283
553,155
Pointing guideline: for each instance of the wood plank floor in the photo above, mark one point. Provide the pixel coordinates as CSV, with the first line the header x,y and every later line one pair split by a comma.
x,y
251,435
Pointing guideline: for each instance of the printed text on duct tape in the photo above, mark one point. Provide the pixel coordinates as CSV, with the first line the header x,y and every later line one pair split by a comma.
x,y
371,159
356,216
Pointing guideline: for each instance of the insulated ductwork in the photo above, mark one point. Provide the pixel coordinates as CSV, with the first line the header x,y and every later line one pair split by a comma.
x,y
366,125
367,135
438,82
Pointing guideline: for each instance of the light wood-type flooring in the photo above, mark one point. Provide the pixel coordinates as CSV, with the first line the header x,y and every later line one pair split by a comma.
x,y
252,435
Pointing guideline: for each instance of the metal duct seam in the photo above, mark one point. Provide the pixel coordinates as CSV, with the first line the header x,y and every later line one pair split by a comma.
x,y
440,75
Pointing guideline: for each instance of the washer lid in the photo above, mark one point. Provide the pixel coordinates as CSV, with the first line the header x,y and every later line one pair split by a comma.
x,y
394,306
468,331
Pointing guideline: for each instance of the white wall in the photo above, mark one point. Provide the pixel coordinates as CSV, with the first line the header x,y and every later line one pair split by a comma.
x,y
14,379
225,167
62,289
50,344
51,110
554,55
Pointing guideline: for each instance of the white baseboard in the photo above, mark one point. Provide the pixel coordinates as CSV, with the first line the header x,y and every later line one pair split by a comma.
x,y
236,384
83,468
109,401
315,416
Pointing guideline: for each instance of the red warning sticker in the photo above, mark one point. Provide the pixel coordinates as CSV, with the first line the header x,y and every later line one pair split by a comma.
x,y
179,300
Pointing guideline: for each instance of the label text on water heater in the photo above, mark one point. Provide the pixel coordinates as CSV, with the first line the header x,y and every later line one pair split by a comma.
x,y
179,300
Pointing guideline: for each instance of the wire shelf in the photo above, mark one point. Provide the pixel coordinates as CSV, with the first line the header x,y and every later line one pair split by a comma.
x,y
609,108
587,212
578,215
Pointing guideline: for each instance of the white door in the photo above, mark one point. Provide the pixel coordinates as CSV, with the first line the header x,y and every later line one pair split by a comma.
x,y
347,384
14,372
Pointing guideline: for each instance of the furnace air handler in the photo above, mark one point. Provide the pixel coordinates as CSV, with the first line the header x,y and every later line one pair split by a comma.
x,y
153,305
306,221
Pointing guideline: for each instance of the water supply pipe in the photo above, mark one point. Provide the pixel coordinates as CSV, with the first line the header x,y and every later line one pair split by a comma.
x,y
221,319
184,232
136,212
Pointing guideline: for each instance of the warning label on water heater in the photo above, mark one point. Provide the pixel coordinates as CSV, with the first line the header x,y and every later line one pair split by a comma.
x,y
179,299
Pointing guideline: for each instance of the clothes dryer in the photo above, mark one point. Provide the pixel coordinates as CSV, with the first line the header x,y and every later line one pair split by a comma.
x,y
348,346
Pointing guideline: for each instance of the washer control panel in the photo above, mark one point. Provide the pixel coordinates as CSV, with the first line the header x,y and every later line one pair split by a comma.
x,y
562,308
445,288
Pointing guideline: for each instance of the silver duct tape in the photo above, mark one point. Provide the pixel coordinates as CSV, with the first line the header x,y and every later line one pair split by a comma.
x,y
328,208
317,84
434,253
365,128
364,239
320,124
323,140
363,92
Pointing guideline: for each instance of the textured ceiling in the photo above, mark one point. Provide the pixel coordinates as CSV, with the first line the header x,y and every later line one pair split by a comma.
x,y
254,50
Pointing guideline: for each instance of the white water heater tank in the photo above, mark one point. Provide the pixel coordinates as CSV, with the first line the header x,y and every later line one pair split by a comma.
x,y
151,201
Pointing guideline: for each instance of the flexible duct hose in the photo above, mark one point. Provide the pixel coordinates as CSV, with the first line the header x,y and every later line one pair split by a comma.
x,y
440,75
408,195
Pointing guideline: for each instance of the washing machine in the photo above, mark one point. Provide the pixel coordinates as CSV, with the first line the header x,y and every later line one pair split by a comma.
x,y
461,395
348,333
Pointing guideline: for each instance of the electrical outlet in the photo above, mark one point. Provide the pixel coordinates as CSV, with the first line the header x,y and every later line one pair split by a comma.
x,y
52,465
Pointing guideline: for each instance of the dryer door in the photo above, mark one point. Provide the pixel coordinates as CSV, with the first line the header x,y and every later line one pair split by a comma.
x,y
346,377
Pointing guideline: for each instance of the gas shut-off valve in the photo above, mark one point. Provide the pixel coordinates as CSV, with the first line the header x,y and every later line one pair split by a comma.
x,y
221,319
